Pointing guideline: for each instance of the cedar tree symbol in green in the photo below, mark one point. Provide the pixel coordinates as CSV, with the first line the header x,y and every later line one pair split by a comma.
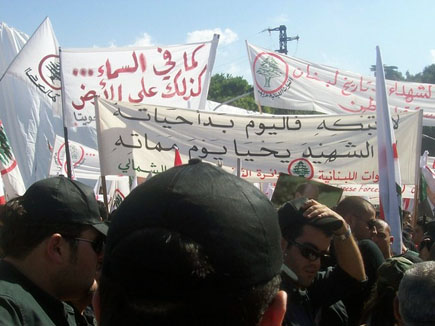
x,y
301,170
269,69
5,149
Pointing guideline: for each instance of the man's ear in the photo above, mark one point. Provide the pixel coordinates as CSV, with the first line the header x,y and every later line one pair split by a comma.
x,y
96,301
55,248
274,314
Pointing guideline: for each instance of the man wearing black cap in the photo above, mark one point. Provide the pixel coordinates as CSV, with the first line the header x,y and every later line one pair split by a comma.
x,y
307,229
193,245
52,239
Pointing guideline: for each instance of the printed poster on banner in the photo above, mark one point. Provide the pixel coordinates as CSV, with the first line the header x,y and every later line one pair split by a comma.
x,y
175,75
138,139
286,82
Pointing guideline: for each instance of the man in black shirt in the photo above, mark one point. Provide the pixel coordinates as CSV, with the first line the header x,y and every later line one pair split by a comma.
x,y
52,239
307,229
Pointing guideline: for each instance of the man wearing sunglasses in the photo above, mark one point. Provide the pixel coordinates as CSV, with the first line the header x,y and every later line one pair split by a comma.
x,y
52,239
307,228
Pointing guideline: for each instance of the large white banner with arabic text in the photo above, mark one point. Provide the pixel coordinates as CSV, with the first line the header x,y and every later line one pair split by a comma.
x,y
139,139
177,75
285,82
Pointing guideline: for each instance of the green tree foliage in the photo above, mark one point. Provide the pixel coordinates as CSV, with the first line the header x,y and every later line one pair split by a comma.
x,y
391,72
224,87
427,76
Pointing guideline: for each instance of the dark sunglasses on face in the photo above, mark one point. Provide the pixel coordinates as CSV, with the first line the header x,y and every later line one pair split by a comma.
x,y
427,242
97,244
308,252
371,224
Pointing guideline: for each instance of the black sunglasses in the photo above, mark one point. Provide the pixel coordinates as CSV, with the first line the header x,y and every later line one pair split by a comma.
x,y
309,252
371,224
97,245
426,242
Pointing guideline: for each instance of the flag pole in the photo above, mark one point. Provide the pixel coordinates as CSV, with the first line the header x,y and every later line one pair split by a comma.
x,y
418,174
98,127
65,129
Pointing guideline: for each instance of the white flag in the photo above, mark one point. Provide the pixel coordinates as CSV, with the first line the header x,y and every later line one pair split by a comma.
x,y
84,160
389,175
27,102
12,180
176,75
38,65
119,189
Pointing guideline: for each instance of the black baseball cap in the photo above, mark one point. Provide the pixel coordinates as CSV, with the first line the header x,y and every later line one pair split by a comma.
x,y
234,223
291,215
62,200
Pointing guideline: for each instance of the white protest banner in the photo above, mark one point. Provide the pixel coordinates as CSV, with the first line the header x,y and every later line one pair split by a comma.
x,y
371,191
10,172
177,75
290,83
38,65
84,160
138,139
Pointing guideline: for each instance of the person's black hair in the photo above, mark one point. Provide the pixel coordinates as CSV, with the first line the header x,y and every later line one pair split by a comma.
x,y
205,306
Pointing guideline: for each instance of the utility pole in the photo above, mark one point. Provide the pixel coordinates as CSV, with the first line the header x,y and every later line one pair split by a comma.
x,y
283,39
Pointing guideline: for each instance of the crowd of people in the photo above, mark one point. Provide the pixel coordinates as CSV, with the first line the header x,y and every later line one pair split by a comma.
x,y
196,245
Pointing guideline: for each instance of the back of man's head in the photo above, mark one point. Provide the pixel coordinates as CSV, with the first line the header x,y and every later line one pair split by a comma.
x,y
191,246
416,295
354,205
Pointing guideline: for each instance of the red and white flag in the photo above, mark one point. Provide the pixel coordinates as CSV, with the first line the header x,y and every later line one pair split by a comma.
x,y
11,176
177,159
388,160
2,194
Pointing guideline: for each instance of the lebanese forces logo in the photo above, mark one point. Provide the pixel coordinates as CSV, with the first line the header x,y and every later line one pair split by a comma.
x,y
272,76
77,154
302,168
47,77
